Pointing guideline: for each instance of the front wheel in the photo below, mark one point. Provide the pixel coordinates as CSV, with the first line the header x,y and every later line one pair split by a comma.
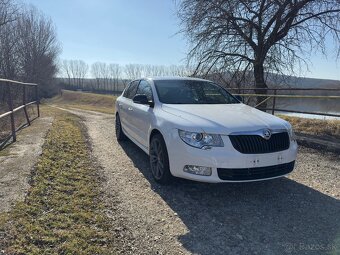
x,y
159,160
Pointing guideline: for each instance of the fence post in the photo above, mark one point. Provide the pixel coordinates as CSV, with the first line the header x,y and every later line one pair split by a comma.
x,y
10,106
274,102
37,99
24,103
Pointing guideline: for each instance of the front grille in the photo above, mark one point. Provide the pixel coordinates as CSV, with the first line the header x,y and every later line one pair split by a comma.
x,y
247,174
255,144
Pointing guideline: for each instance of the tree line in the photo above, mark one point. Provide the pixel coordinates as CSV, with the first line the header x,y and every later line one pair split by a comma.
x,y
77,74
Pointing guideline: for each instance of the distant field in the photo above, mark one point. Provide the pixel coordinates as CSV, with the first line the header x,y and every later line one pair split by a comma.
x,y
85,101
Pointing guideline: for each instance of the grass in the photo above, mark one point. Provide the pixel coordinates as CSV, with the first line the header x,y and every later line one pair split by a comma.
x,y
85,101
326,128
63,211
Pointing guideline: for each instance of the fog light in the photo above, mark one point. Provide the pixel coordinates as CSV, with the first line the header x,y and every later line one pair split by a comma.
x,y
199,170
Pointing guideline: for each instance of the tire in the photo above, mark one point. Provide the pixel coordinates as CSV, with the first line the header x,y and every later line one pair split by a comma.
x,y
119,130
159,160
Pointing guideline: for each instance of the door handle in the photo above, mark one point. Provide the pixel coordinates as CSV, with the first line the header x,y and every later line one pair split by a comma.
x,y
120,105
130,109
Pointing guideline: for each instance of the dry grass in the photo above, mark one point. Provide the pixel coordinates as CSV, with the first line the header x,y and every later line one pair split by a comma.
x,y
85,101
63,211
328,128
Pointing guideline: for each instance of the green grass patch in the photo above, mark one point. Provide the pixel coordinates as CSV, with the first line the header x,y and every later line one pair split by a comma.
x,y
63,211
85,101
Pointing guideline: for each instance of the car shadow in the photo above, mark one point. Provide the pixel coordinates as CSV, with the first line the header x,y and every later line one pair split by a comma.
x,y
279,216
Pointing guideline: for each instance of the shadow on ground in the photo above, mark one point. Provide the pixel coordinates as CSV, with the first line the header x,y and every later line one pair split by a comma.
x,y
274,217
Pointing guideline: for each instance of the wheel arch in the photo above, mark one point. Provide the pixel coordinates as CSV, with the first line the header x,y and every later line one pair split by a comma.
x,y
154,132
169,177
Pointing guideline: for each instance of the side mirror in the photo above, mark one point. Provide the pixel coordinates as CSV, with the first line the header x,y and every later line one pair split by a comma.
x,y
142,99
239,98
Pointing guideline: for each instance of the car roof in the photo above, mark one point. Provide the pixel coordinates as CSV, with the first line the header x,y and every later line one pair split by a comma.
x,y
176,78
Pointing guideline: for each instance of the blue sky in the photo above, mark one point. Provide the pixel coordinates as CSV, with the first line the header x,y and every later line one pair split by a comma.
x,y
132,31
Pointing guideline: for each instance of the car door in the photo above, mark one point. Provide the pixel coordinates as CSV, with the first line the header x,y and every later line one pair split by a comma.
x,y
142,114
125,108
121,105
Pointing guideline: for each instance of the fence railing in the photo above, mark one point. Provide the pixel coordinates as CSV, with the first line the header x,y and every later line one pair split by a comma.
x,y
9,87
274,96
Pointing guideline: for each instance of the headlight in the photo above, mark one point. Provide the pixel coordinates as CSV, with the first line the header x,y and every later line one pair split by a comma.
x,y
200,140
291,134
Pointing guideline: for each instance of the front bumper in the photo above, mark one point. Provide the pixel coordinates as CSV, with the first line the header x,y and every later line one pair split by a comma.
x,y
229,165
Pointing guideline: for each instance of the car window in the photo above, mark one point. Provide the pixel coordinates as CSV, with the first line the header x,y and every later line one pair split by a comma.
x,y
144,88
126,90
131,91
192,92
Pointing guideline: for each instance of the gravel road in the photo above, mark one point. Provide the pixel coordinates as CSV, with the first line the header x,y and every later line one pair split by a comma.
x,y
295,215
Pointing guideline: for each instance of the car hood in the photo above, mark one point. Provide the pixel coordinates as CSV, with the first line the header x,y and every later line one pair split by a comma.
x,y
224,118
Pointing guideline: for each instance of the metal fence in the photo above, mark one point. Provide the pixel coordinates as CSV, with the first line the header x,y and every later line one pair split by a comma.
x,y
276,93
13,98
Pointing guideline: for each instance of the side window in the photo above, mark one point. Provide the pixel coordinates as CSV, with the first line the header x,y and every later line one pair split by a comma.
x,y
145,88
131,91
126,90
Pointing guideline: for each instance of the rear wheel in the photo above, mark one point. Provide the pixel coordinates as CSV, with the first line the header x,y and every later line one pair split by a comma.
x,y
119,130
159,160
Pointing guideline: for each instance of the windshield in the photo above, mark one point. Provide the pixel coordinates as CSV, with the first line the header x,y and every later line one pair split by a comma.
x,y
192,92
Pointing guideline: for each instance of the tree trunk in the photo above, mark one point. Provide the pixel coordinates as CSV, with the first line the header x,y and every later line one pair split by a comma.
x,y
260,84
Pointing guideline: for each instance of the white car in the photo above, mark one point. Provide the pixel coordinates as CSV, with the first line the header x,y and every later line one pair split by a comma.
x,y
194,129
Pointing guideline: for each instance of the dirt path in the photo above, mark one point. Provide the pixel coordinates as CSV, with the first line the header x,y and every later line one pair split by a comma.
x,y
295,215
15,168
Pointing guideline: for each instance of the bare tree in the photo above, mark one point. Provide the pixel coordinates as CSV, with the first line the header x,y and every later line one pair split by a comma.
x,y
37,49
8,51
257,36
133,71
28,46
180,70
107,76
8,12
115,73
96,74
78,71
100,71
65,71
8,35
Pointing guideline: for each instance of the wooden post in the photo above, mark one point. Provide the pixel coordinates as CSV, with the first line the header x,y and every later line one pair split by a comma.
x,y
10,106
274,102
37,99
24,103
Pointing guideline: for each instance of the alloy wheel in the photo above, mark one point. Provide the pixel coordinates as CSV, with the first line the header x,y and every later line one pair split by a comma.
x,y
157,159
